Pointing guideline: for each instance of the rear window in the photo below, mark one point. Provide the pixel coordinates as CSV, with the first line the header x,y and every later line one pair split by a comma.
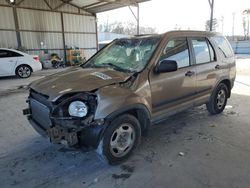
x,y
223,46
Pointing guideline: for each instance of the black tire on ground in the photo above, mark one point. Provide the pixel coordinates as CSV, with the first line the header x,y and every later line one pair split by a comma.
x,y
54,64
120,139
23,71
218,99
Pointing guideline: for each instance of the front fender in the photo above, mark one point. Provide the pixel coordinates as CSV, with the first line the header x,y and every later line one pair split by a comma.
x,y
115,99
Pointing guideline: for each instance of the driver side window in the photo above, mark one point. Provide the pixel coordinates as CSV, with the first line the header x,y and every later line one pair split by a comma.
x,y
177,50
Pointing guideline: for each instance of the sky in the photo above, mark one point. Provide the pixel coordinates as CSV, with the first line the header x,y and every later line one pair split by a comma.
x,y
165,15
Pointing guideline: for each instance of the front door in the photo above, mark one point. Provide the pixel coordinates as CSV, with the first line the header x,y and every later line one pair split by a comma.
x,y
173,91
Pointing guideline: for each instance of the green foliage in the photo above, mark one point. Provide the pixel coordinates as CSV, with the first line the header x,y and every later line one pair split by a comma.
x,y
214,26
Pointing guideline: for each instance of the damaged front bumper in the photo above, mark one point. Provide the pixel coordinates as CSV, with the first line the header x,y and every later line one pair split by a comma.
x,y
62,130
88,135
59,135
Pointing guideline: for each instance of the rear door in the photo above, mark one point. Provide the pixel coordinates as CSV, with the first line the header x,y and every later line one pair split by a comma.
x,y
206,65
173,91
8,61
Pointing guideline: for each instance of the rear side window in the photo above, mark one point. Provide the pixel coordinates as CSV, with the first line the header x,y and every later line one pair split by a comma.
x,y
203,50
15,54
223,46
177,50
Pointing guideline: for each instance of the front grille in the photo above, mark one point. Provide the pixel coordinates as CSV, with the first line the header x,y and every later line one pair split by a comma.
x,y
40,113
40,109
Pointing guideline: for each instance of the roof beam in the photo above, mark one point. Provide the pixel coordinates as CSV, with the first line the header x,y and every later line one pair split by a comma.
x,y
46,2
18,3
63,3
59,6
94,5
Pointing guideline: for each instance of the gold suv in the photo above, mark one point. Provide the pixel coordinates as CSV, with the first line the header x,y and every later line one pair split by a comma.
x,y
109,101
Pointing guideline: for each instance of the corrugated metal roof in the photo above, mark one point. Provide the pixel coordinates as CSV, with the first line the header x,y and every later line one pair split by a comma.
x,y
96,6
90,6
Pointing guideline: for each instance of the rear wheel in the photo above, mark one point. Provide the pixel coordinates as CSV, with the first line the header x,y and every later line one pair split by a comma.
x,y
23,71
218,99
120,139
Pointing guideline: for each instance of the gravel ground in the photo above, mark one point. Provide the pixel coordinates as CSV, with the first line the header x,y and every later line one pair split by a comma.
x,y
191,149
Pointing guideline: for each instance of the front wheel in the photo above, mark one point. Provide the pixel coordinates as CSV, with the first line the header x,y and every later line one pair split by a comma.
x,y
218,99
120,139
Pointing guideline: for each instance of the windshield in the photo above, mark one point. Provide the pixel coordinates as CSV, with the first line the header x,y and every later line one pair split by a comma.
x,y
129,55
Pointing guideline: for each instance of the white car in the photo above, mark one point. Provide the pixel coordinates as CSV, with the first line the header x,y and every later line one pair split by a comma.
x,y
13,62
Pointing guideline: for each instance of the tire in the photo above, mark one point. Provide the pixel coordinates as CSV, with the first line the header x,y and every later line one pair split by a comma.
x,y
23,71
120,139
218,99
54,64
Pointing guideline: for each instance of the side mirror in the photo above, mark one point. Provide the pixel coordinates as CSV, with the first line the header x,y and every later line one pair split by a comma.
x,y
166,66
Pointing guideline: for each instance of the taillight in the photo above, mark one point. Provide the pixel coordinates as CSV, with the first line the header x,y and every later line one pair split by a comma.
x,y
36,58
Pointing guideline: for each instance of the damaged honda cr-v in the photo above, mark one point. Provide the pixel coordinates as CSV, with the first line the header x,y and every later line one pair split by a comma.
x,y
109,101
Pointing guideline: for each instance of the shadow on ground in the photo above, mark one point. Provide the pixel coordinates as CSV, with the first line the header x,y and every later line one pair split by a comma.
x,y
189,149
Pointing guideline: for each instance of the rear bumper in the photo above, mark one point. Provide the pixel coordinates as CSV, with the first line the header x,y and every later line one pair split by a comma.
x,y
37,66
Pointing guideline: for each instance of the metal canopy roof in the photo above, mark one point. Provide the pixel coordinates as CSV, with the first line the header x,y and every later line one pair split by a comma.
x,y
89,6
96,6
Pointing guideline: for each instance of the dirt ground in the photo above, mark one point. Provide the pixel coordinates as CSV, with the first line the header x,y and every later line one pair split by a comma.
x,y
191,149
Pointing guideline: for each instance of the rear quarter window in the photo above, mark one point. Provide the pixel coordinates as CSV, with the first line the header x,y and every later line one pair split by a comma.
x,y
15,54
223,46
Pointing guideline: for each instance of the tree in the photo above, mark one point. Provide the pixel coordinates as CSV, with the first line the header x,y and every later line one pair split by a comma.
x,y
214,26
128,28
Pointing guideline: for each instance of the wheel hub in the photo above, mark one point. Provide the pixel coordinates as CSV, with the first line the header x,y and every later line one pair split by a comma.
x,y
221,98
24,71
122,140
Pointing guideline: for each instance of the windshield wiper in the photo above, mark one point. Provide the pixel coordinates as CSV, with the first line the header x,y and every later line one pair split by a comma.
x,y
89,65
115,67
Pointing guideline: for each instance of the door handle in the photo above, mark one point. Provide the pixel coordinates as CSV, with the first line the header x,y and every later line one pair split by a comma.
x,y
189,73
217,67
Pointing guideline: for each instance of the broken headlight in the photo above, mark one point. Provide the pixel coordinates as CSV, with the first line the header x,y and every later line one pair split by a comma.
x,y
78,109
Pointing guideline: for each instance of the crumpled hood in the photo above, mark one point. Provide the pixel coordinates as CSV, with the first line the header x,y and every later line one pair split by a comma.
x,y
77,80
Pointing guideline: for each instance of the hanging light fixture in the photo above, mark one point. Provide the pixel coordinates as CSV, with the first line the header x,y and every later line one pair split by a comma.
x,y
12,2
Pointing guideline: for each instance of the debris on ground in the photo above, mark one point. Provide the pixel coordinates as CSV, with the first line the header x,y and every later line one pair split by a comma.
x,y
23,87
189,138
231,112
121,176
228,107
150,157
95,180
181,153
128,168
